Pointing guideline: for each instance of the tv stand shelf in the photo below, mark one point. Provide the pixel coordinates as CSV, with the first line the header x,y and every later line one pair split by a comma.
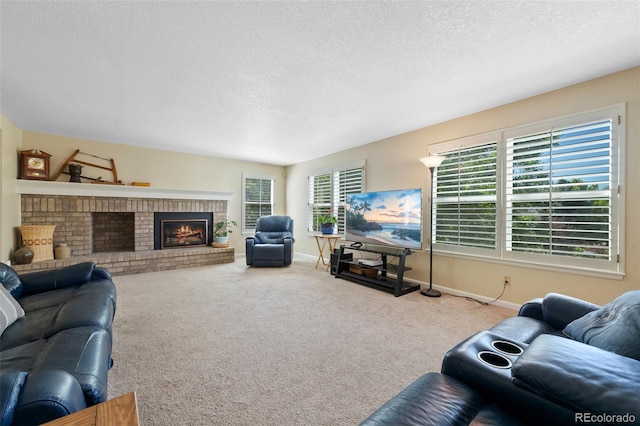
x,y
382,281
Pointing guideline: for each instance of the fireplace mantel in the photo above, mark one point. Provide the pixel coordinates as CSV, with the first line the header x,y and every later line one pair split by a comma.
x,y
36,187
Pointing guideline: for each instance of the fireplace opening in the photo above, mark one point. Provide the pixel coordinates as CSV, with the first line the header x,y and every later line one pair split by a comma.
x,y
113,232
185,232
182,230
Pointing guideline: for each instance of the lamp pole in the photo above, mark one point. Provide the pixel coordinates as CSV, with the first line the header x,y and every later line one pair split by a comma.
x,y
431,162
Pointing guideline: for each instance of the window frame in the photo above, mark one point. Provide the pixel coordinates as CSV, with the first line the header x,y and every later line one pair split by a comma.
x,y
337,199
614,267
245,178
456,145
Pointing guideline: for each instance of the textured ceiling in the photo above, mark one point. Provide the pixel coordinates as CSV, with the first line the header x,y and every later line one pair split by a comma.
x,y
284,82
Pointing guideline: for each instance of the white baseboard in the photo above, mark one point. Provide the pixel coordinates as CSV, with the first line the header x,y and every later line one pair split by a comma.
x,y
452,291
307,256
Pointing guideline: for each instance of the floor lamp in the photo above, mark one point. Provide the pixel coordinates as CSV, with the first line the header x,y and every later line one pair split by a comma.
x,y
431,162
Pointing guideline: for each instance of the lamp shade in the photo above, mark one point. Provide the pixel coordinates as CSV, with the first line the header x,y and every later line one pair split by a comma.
x,y
432,161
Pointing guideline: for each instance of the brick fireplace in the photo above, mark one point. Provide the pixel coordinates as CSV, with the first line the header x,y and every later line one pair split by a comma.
x,y
117,232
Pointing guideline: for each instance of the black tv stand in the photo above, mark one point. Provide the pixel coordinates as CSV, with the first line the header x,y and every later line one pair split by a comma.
x,y
382,281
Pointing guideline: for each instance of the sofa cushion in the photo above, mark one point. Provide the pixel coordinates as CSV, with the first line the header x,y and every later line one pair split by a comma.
x,y
91,304
615,327
51,279
580,377
10,309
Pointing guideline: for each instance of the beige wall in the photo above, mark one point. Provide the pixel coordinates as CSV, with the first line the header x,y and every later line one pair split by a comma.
x,y
162,169
10,137
390,164
393,163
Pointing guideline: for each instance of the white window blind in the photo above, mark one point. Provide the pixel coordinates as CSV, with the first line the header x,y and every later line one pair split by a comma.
x,y
550,194
465,197
328,189
258,200
558,188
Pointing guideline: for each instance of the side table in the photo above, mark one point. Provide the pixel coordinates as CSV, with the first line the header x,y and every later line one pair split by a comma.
x,y
332,240
120,411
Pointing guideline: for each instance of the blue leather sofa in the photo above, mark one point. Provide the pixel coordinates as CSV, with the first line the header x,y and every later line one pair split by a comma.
x,y
272,244
54,360
561,361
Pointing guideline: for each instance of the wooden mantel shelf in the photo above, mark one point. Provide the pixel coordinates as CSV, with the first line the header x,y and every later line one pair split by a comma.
x,y
38,187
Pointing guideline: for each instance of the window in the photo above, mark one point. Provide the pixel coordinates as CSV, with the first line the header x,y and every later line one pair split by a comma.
x,y
257,200
466,196
546,193
328,189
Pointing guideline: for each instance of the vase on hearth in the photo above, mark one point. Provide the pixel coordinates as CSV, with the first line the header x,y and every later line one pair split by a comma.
x,y
62,251
23,256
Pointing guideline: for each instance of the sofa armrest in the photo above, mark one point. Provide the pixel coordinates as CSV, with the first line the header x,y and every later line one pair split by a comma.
x,y
288,250
532,309
101,274
248,252
48,395
38,282
10,386
433,399
580,377
558,310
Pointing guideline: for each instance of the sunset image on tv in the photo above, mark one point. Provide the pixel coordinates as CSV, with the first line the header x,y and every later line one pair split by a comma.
x,y
390,218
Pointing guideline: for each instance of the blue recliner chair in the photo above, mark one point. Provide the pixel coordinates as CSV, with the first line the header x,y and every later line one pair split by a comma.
x,y
272,245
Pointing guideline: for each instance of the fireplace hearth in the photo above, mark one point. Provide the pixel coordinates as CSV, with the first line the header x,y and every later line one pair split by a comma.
x,y
125,230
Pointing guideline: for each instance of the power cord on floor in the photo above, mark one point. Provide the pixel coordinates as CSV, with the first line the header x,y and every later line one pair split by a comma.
x,y
480,301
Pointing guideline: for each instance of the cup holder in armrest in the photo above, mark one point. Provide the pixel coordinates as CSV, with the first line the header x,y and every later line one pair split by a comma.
x,y
506,347
494,359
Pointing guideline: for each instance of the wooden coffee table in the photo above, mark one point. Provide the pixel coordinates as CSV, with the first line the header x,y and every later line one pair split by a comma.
x,y
120,411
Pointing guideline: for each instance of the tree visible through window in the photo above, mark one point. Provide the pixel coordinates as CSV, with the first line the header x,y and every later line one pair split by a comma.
x,y
466,197
559,191
545,193
328,190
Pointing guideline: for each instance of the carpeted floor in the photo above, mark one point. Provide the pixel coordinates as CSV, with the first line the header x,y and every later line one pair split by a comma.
x,y
232,345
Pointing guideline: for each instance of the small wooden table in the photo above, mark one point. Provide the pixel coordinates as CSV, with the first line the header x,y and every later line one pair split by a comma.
x,y
120,411
332,239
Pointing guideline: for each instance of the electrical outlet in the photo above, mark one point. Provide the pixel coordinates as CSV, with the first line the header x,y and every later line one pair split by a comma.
x,y
507,280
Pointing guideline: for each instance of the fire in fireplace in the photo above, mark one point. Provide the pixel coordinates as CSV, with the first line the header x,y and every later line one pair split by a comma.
x,y
180,233
182,230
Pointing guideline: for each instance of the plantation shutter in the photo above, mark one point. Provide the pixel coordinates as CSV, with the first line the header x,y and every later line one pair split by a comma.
x,y
319,197
465,199
258,200
559,191
328,189
346,181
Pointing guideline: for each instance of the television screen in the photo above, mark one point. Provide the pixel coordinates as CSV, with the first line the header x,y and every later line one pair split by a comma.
x,y
389,218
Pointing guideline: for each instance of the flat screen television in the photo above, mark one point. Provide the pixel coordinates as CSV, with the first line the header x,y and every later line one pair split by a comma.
x,y
387,218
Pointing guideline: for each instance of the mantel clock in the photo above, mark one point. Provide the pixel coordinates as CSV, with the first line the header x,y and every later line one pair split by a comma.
x,y
34,164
